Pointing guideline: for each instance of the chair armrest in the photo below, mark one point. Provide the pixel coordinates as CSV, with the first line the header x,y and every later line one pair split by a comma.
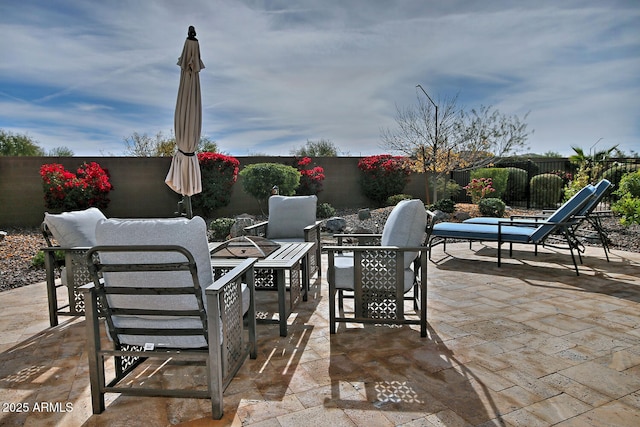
x,y
313,226
541,217
231,276
65,249
257,229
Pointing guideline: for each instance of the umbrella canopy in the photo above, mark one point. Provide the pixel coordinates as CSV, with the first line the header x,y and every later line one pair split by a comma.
x,y
184,174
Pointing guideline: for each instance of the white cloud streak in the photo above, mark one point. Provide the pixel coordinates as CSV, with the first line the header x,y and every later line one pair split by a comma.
x,y
87,74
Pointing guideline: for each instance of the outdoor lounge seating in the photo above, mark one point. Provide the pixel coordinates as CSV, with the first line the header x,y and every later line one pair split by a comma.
x,y
74,233
587,214
509,231
379,277
292,219
154,283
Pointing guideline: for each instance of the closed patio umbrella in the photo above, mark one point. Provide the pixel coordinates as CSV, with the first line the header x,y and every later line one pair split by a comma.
x,y
184,174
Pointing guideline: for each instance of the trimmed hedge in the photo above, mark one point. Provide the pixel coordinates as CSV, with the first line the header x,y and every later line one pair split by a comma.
x,y
546,190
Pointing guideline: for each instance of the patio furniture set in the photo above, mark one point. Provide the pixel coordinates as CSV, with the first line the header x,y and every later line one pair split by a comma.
x,y
165,292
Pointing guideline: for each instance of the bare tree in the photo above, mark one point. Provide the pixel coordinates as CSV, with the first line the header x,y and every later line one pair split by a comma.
x,y
320,148
160,146
464,139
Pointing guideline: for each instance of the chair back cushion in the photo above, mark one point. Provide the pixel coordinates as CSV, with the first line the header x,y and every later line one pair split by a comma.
x,y
405,227
600,190
564,212
289,215
74,229
191,234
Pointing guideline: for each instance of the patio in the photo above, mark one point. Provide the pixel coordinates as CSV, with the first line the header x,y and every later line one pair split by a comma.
x,y
529,343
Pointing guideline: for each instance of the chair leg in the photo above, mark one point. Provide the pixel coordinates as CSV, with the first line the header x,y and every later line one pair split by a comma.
x,y
96,362
573,257
331,275
601,234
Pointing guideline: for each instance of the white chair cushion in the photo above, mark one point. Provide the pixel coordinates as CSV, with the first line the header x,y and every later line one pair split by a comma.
x,y
344,273
190,234
74,229
405,227
288,216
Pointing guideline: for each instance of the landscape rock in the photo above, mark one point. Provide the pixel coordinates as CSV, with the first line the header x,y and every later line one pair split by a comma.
x,y
364,214
461,216
242,221
336,224
440,216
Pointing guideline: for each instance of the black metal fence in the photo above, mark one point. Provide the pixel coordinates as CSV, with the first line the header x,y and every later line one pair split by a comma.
x,y
521,193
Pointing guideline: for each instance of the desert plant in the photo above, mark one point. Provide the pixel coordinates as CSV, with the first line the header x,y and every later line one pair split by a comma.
x,y
325,210
615,173
397,198
219,173
498,176
221,228
491,207
310,177
629,203
383,175
259,179
516,185
479,188
579,180
444,205
38,259
66,191
546,190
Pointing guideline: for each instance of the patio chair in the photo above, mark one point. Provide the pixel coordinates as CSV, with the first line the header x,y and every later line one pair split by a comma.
x,y
154,281
292,219
587,213
379,277
512,231
74,233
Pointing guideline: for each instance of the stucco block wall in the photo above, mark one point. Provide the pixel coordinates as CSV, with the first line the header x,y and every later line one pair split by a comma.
x,y
140,192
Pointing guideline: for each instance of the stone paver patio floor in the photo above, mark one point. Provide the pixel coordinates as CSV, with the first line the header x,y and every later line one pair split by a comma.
x,y
527,344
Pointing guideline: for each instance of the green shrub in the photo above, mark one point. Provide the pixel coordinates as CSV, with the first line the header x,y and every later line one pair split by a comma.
x,y
38,259
516,189
383,176
629,203
629,208
219,172
221,228
615,173
397,198
491,207
259,179
546,190
444,205
325,210
499,177
578,181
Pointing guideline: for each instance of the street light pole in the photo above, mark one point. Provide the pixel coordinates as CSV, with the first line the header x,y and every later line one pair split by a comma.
x,y
435,145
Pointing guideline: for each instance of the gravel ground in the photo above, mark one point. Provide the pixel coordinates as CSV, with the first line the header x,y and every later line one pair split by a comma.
x,y
21,244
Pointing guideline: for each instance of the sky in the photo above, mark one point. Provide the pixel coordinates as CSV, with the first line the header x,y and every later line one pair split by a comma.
x,y
88,74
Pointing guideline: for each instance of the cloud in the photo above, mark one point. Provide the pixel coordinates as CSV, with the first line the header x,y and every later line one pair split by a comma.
x,y
278,74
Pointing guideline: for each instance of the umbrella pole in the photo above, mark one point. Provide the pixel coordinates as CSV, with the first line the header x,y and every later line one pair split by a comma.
x,y
185,208
188,207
